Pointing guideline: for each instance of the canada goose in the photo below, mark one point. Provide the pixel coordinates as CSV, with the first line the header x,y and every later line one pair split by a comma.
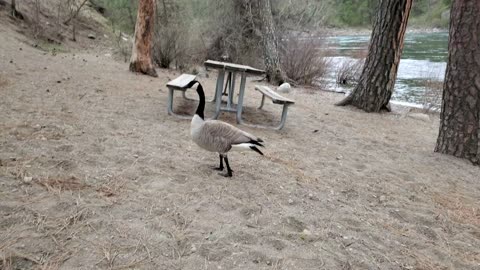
x,y
218,136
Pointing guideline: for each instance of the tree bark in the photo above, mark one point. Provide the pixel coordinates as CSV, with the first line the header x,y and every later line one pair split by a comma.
x,y
375,87
273,69
141,60
460,116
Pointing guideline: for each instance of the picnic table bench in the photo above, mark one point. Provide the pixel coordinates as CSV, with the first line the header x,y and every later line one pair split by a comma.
x,y
276,99
180,83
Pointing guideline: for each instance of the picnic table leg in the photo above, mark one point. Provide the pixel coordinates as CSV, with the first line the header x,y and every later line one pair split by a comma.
x,y
218,85
232,88
240,98
229,86
218,93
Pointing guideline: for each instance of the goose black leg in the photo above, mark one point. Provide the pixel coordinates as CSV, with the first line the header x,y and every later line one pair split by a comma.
x,y
229,170
221,164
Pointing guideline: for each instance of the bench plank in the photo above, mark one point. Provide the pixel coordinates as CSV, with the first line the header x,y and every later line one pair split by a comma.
x,y
274,96
182,81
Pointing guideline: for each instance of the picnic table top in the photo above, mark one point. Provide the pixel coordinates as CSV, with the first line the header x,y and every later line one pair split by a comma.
x,y
233,67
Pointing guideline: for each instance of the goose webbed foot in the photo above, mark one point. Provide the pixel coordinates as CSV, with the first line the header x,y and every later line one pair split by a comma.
x,y
216,168
226,174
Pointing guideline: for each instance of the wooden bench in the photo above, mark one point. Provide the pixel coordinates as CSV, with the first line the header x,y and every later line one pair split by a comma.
x,y
276,99
180,83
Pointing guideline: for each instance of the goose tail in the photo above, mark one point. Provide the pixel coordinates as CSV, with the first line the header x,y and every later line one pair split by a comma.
x,y
254,148
258,142
247,146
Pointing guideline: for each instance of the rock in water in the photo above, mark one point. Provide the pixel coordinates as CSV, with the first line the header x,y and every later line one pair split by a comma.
x,y
284,88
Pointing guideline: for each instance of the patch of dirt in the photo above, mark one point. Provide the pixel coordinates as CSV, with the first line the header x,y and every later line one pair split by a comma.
x,y
94,174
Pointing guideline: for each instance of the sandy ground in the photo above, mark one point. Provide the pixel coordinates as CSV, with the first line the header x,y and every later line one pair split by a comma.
x,y
95,175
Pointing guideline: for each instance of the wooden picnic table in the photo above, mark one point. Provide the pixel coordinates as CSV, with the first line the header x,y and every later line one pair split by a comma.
x,y
231,69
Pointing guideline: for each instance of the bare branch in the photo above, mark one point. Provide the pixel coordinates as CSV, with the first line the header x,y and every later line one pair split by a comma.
x,y
75,14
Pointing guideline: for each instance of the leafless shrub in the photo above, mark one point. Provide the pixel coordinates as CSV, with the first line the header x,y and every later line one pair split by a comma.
x,y
36,20
348,73
75,8
302,60
123,46
171,35
432,95
168,46
233,34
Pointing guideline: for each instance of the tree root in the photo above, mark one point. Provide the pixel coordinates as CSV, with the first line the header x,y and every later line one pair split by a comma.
x,y
134,67
386,107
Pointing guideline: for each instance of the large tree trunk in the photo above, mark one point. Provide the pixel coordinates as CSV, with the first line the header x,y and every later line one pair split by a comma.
x,y
460,116
375,87
275,74
141,60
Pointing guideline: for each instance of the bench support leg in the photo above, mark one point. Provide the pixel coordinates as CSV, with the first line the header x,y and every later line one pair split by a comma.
x,y
261,104
170,101
232,88
284,117
171,91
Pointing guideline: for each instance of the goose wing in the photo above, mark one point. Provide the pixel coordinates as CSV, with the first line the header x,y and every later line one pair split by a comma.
x,y
224,135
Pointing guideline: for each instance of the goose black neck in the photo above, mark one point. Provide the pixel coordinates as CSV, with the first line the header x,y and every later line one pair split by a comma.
x,y
201,104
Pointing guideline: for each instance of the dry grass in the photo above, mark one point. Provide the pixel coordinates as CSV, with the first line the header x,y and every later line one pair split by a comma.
x,y
458,208
423,262
113,187
61,183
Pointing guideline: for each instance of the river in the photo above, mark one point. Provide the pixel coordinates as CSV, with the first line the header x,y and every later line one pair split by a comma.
x,y
424,58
